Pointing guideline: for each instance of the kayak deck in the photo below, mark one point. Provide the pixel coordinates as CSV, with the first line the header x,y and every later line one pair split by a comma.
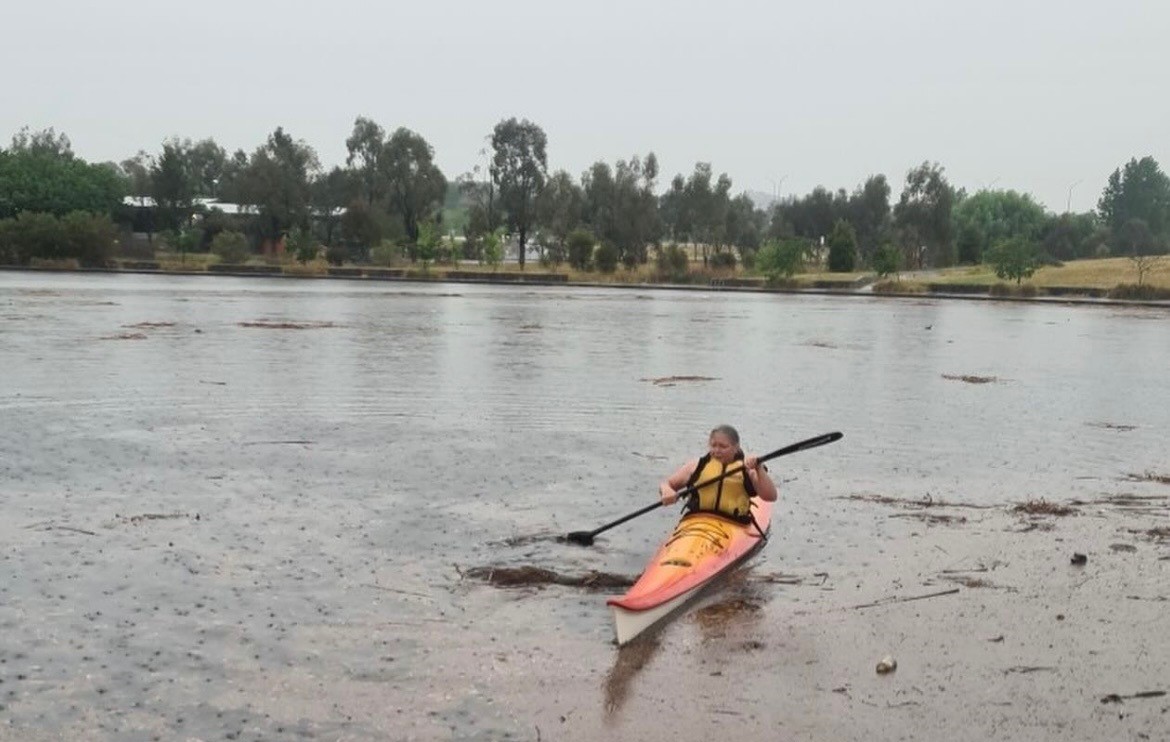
x,y
701,547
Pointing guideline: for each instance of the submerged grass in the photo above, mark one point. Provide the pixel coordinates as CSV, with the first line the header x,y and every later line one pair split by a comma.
x,y
1149,476
970,379
538,576
1043,507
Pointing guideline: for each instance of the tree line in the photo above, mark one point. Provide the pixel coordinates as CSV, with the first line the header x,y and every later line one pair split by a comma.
x,y
391,194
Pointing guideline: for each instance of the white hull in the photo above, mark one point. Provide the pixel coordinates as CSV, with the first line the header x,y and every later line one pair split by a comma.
x,y
630,624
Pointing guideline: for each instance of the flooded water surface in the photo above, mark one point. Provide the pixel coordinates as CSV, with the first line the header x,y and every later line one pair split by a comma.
x,y
265,509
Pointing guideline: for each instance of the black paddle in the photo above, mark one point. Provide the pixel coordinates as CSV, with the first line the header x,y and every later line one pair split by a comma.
x,y
585,538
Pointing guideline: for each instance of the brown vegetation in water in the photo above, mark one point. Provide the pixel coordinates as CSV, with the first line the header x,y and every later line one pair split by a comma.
x,y
672,380
1112,426
148,325
970,379
1149,476
272,325
537,576
1043,507
125,336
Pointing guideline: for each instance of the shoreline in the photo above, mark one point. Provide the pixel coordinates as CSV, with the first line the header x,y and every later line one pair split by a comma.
x,y
541,279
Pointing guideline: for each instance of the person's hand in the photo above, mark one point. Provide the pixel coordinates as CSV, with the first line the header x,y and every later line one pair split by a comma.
x,y
668,496
752,462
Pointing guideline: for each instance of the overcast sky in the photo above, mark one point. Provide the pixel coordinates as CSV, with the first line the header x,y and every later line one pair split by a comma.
x,y
781,95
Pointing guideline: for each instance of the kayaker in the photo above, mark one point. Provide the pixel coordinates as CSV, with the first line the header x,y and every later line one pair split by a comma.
x,y
730,496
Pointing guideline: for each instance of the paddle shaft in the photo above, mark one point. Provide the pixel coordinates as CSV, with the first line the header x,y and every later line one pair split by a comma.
x,y
820,440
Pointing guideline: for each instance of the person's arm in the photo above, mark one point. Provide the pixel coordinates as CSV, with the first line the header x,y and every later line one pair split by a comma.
x,y
668,489
765,487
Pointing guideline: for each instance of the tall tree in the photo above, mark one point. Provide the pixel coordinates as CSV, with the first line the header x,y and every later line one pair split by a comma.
x,y
923,216
559,211
745,224
842,247
1067,236
276,183
366,145
207,162
1140,190
331,193
137,171
621,208
989,217
38,177
172,184
520,167
869,213
672,210
414,184
46,142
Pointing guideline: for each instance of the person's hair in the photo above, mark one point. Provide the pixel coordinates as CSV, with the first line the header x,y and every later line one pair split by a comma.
x,y
728,431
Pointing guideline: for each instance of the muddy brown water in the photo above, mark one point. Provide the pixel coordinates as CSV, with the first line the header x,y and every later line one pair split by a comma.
x,y
247,508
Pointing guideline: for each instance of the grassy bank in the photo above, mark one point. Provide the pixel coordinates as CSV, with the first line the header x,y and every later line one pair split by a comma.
x,y
1104,273
1109,277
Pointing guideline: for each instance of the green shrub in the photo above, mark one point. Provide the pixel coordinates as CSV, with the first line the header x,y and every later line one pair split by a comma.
x,y
336,254
580,244
89,239
781,259
1016,258
842,247
231,247
672,263
887,260
605,257
303,245
385,254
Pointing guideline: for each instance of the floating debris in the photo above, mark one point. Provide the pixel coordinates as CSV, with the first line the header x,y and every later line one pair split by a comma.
x,y
1079,559
1043,507
125,336
536,576
273,325
925,502
1149,476
970,379
1113,426
969,581
1118,698
932,518
139,519
149,325
672,380
1160,533
887,665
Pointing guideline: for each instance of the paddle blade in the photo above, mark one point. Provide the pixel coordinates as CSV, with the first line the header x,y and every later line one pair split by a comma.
x,y
581,538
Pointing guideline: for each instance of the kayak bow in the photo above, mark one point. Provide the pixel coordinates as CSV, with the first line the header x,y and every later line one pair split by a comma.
x,y
702,547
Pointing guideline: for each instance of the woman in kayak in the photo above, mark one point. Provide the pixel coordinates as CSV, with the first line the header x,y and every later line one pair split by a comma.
x,y
730,496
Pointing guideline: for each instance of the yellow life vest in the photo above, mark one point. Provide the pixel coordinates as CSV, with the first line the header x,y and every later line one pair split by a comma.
x,y
730,496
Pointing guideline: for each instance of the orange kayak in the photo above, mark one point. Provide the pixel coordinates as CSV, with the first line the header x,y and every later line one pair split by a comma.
x,y
702,547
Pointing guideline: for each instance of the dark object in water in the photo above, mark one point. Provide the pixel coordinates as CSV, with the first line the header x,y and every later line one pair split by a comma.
x,y
1079,559
528,576
970,378
1043,507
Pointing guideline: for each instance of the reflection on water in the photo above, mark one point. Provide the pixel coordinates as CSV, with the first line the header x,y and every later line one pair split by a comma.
x,y
629,660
